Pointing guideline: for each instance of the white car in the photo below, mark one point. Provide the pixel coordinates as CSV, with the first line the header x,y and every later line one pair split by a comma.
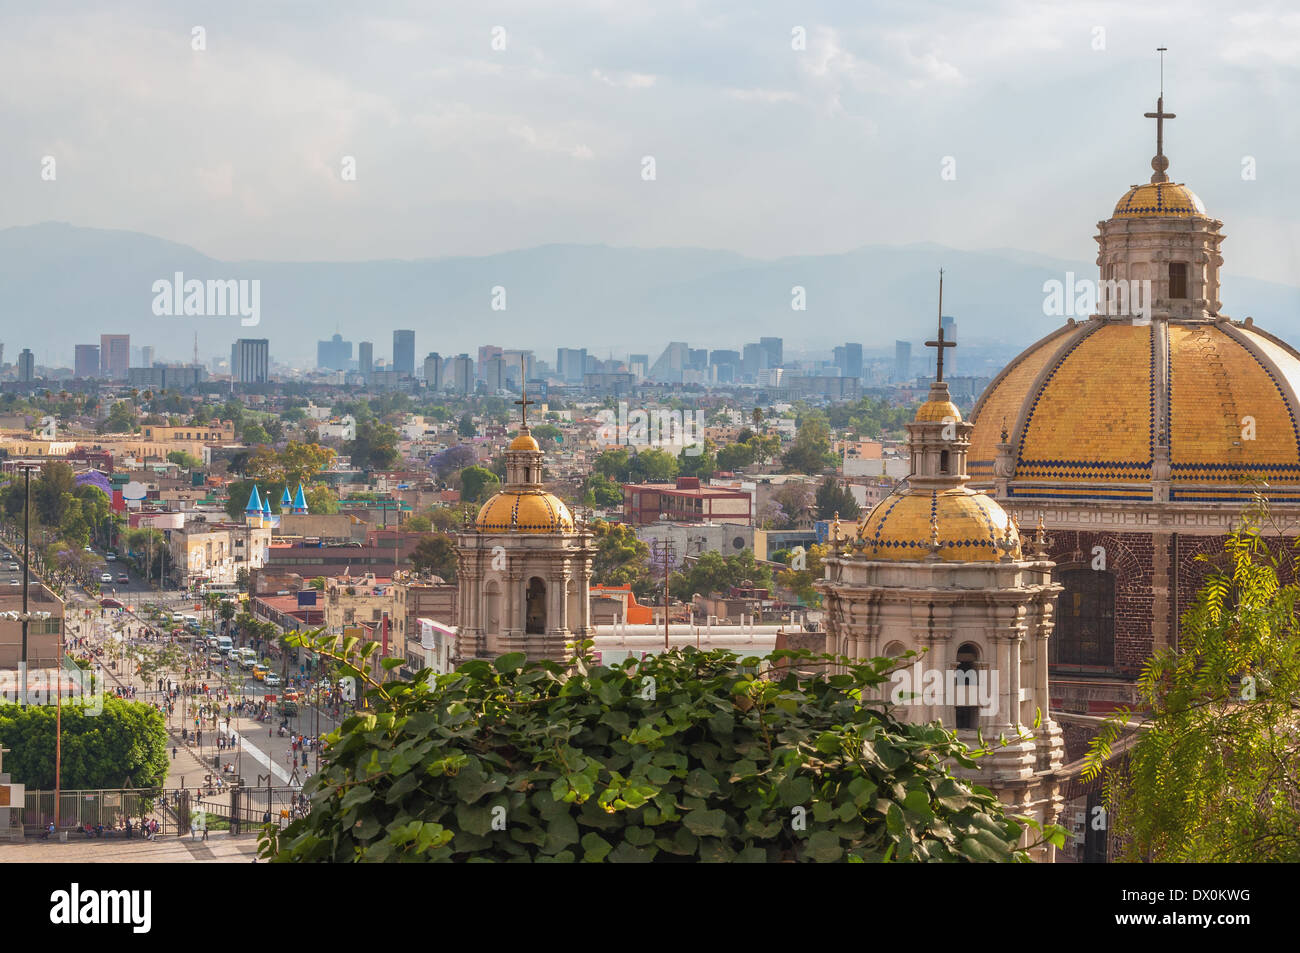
x,y
106,577
272,679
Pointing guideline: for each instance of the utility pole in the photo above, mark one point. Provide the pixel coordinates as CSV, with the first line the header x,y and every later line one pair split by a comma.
x,y
27,532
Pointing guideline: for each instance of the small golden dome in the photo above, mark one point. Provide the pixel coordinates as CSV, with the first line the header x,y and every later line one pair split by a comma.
x,y
1158,199
970,527
524,511
938,411
524,441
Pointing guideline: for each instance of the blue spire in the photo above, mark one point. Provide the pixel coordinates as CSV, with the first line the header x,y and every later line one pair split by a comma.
x,y
266,506
254,502
285,500
299,501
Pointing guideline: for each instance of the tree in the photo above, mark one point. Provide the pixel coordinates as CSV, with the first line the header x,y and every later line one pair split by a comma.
x,y
467,427
375,446
1216,775
321,500
418,524
615,464
599,490
254,433
587,766
477,484
124,743
52,493
622,559
702,464
653,465
801,580
810,452
186,461
452,460
833,500
712,572
120,419
227,611
436,554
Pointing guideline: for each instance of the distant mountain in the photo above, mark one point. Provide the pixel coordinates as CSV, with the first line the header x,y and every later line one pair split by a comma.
x,y
61,285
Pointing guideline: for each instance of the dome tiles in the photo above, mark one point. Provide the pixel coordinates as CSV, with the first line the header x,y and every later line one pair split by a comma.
x,y
524,511
1159,200
1085,408
970,526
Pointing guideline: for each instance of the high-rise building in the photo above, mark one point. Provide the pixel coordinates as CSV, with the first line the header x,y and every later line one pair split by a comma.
x,y
404,353
85,366
675,359
250,361
26,366
485,353
167,376
849,360
494,374
114,356
754,359
146,356
949,326
334,354
515,358
775,348
433,371
570,364
366,357
462,373
902,361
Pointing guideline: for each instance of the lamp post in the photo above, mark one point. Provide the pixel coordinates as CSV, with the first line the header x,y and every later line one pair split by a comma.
x,y
27,469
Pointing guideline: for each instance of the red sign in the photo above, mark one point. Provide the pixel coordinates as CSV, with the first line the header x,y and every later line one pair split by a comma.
x,y
270,698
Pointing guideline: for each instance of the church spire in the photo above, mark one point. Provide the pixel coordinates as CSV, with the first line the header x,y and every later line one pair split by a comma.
x,y
1160,162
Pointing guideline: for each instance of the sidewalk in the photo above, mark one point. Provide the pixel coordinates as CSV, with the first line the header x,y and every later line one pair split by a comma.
x,y
221,847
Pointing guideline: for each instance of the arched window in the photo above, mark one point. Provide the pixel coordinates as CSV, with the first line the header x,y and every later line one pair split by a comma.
x,y
535,615
968,716
1085,620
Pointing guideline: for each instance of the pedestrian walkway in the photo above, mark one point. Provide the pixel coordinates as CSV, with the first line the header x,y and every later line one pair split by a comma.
x,y
221,847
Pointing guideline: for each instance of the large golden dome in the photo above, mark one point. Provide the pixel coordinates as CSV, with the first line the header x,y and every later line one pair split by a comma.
x,y
524,511
524,441
1158,199
969,526
1088,410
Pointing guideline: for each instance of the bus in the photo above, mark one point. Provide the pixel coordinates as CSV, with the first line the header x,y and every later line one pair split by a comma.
x,y
221,588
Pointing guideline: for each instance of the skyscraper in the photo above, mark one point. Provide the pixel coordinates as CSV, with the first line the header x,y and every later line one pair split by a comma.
x,y
146,356
250,361
433,371
85,366
114,356
902,361
462,373
334,354
404,353
775,348
570,364
26,366
366,357
850,360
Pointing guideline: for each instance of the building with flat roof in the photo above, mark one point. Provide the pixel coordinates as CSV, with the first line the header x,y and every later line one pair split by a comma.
x,y
685,501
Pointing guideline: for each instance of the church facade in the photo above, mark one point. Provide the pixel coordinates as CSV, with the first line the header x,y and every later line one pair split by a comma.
x,y
523,567
1139,436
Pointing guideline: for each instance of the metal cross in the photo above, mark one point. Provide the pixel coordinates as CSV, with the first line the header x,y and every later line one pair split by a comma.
x,y
523,403
941,343
1160,163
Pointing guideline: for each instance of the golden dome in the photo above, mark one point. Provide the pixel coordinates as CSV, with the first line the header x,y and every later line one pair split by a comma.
x,y
1086,407
524,441
1159,199
938,411
970,527
524,511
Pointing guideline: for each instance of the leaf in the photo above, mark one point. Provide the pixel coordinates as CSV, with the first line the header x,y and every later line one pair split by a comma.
x,y
510,662
823,847
706,823
595,848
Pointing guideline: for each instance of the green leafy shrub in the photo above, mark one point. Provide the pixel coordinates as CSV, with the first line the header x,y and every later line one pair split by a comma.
x,y
684,756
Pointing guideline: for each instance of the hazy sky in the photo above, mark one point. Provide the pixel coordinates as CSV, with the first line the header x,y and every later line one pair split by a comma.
x,y
460,148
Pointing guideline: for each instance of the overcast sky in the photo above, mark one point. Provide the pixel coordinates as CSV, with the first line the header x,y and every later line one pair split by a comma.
x,y
760,148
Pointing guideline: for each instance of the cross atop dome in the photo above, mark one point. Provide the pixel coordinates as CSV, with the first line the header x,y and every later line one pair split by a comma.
x,y
940,344
1161,162
523,403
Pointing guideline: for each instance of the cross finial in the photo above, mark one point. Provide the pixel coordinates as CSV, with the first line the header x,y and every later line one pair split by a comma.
x,y
523,403
1161,162
940,344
